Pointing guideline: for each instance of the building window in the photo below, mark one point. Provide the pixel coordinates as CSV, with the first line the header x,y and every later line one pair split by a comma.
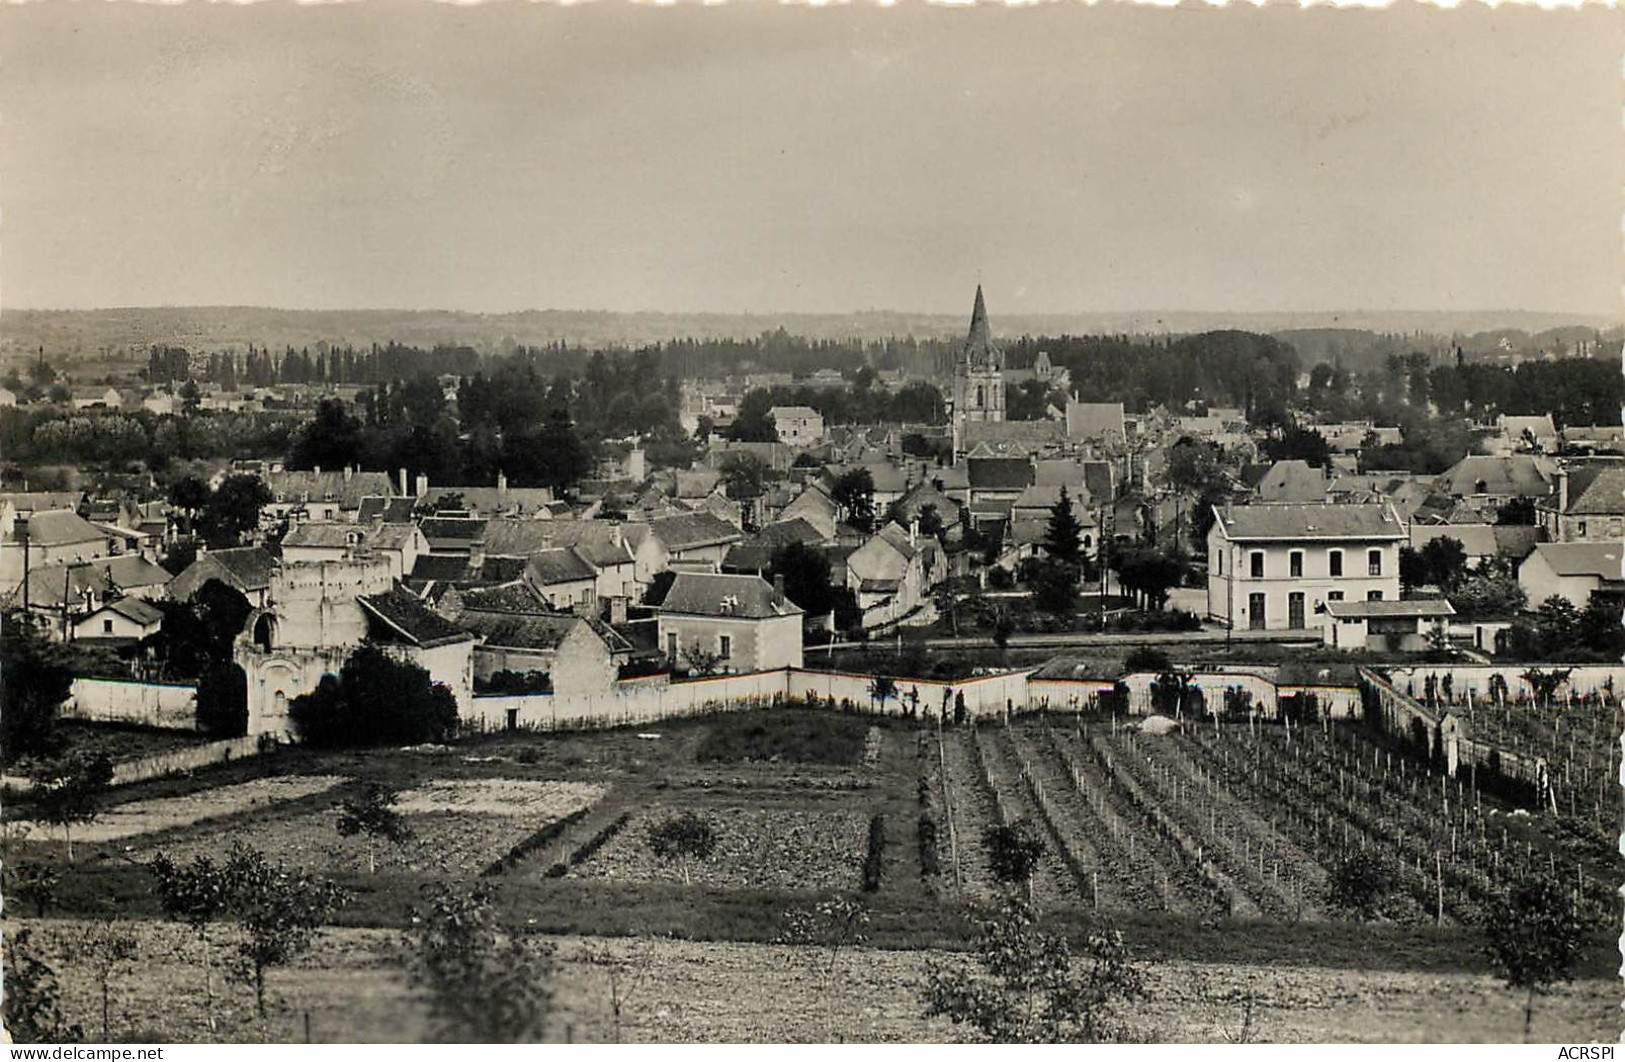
x,y
1257,563
107,626
1373,595
724,646
1374,561
1295,564
671,645
1580,528
1218,562
1334,562
1335,595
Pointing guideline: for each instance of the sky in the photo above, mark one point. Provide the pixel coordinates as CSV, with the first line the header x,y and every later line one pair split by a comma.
x,y
760,158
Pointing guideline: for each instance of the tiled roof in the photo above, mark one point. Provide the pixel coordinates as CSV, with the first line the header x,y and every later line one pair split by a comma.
x,y
550,567
408,617
453,528
1514,476
441,568
248,567
1292,481
61,527
513,597
131,570
1000,473
1309,521
693,530
46,584
348,491
1582,558
1596,491
391,510
1094,420
136,610
703,594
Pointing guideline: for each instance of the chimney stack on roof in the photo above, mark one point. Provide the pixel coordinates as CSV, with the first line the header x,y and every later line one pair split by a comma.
x,y
778,588
404,492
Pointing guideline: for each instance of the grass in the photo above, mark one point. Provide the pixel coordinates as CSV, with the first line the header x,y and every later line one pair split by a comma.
x,y
787,736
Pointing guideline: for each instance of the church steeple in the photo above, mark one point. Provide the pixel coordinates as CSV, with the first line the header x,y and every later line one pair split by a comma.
x,y
979,344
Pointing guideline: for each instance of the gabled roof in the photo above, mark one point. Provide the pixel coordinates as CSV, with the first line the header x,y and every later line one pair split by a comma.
x,y
47,583
1000,473
391,510
410,620
1596,491
243,568
1601,559
61,527
1516,475
42,500
1292,481
134,609
552,567
453,528
347,490
743,596
131,570
1299,521
694,530
510,597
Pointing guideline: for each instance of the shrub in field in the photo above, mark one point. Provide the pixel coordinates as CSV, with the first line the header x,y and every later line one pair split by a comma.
x,y
1027,987
1013,851
683,839
34,681
481,984
530,754
373,816
196,895
70,790
102,948
32,883
1359,885
875,858
31,1009
1534,939
375,700
831,925
278,912
930,857
222,700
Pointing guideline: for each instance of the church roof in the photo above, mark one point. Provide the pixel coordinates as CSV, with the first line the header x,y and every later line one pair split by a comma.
x,y
979,347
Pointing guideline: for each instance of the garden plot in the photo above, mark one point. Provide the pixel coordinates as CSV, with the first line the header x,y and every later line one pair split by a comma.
x,y
757,848
166,813
458,827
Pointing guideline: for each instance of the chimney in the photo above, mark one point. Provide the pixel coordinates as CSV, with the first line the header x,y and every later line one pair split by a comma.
x,y
502,484
349,471
1563,490
778,589
617,611
914,531
404,491
423,485
317,470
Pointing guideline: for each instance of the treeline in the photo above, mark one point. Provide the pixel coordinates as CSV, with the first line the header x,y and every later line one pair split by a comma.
x,y
860,402
1256,373
1575,391
261,367
140,440
535,430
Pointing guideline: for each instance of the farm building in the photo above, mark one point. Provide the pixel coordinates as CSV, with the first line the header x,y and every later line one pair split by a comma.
x,y
1392,625
741,620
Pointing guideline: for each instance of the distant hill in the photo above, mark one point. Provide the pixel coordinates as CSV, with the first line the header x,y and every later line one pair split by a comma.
x,y
114,335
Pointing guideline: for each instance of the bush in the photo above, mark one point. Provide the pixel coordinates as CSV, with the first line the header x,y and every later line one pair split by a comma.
x,y
376,700
222,700
1146,658
530,754
877,852
930,856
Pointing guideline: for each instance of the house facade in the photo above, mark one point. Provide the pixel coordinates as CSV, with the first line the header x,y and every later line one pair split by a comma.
x,y
1272,567
732,622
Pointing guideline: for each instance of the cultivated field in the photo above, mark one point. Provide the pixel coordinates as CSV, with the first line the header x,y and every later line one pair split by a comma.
x,y
1210,847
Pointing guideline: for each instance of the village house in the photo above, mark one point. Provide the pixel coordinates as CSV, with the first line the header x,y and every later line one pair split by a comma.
x,y
1489,482
692,541
1292,481
728,623
45,538
1587,506
564,579
798,426
1271,567
1100,423
122,621
579,655
320,496
1572,570
400,544
245,569
890,569
1481,542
